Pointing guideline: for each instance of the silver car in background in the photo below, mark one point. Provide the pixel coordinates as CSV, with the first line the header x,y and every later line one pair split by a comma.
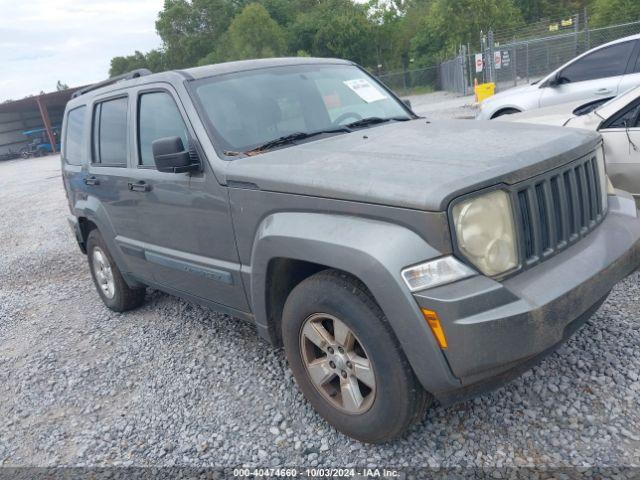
x,y
617,120
603,71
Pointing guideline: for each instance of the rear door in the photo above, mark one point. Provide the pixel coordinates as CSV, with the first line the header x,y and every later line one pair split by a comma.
x,y
178,223
598,73
73,154
108,173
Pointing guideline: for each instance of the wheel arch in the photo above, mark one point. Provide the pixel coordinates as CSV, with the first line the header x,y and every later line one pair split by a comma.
x,y
505,110
298,244
86,226
92,215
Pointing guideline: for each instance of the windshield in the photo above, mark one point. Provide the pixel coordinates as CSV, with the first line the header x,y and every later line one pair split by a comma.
x,y
247,109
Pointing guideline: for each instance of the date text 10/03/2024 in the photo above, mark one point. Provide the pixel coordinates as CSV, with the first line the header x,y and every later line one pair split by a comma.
x,y
316,472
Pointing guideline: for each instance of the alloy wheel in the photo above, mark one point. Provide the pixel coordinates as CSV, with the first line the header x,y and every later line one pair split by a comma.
x,y
337,363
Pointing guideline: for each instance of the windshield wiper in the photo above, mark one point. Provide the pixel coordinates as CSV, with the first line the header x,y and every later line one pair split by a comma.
x,y
292,137
364,122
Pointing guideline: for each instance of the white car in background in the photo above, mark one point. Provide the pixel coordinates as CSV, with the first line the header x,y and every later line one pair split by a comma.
x,y
604,71
617,120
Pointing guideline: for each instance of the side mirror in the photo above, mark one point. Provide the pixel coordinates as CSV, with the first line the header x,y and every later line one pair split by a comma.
x,y
170,156
407,102
552,82
557,79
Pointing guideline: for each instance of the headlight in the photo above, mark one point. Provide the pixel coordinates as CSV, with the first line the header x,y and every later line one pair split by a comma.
x,y
486,233
435,272
602,176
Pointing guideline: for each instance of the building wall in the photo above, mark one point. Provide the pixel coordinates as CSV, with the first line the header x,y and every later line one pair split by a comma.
x,y
12,124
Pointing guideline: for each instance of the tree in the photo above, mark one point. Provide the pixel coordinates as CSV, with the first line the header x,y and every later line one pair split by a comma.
x,y
610,12
61,86
395,23
253,34
335,28
191,29
120,65
451,23
534,10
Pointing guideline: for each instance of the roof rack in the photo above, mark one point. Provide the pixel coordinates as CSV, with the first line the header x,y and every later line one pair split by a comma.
x,y
140,72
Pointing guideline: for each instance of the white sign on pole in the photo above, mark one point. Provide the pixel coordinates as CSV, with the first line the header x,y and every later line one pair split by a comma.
x,y
506,59
478,62
497,60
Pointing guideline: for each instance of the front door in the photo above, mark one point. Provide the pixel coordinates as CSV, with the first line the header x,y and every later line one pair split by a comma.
x,y
597,74
178,223
621,136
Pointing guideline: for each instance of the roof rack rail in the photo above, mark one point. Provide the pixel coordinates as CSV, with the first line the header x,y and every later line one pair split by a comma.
x,y
140,72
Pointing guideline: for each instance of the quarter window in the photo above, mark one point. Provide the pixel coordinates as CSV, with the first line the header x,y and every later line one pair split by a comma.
x,y
606,62
110,132
627,119
158,117
74,136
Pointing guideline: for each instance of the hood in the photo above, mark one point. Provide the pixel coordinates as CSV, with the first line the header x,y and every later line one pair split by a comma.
x,y
555,115
502,97
413,164
524,97
560,115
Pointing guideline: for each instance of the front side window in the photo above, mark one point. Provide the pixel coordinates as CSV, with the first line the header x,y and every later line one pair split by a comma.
x,y
158,117
246,109
110,132
606,62
74,137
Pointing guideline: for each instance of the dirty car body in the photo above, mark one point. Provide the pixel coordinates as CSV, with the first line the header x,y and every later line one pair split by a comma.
x,y
399,206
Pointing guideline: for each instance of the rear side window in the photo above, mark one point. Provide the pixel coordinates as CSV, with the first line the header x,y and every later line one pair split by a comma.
x,y
74,136
606,62
158,117
110,132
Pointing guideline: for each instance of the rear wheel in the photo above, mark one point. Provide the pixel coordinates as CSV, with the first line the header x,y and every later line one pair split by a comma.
x,y
347,361
112,288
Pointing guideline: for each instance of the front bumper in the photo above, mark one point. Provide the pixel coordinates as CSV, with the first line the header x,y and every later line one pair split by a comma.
x,y
493,328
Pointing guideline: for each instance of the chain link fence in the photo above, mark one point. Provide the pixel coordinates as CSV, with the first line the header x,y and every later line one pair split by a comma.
x,y
524,61
413,82
510,58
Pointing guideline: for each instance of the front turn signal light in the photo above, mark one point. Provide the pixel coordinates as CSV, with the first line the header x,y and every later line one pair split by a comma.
x,y
436,328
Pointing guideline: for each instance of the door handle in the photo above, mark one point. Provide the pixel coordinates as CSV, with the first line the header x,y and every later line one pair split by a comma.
x,y
603,91
139,186
91,181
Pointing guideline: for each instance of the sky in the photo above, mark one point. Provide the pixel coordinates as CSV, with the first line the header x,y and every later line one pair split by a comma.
x,y
43,41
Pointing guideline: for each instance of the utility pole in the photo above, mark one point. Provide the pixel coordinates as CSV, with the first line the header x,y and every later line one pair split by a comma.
x,y
490,65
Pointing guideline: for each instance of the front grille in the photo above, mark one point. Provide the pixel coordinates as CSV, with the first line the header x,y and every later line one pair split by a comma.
x,y
557,209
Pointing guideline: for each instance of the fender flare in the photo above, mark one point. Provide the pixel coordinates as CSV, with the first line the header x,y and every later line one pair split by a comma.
x,y
373,251
92,209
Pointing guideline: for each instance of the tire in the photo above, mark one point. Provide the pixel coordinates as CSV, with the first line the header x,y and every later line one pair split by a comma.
x,y
398,399
505,111
116,294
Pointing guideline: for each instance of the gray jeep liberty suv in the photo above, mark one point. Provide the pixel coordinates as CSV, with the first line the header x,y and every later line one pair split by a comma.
x,y
397,260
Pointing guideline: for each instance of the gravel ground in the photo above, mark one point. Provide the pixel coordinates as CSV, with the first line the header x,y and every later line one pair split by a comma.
x,y
176,384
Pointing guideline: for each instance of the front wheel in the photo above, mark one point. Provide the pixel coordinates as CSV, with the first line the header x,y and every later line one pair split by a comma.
x,y
347,361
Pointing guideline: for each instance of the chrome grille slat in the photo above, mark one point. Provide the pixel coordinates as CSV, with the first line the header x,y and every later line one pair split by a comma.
x,y
556,209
